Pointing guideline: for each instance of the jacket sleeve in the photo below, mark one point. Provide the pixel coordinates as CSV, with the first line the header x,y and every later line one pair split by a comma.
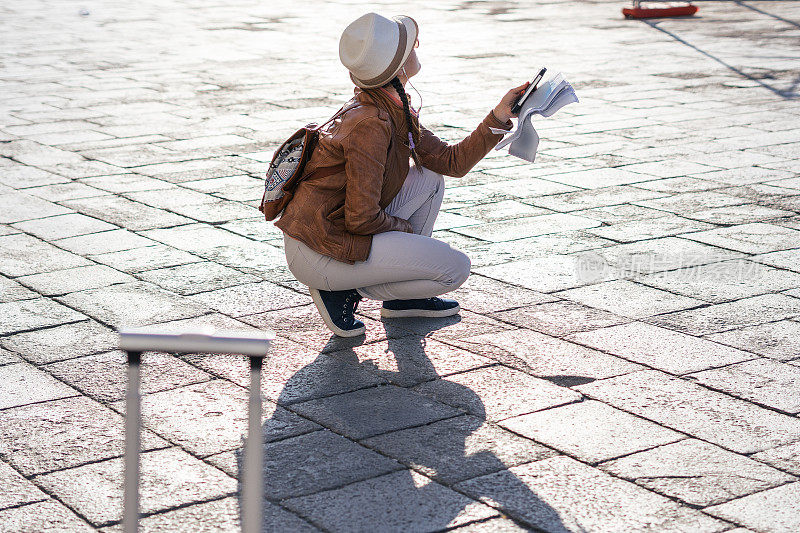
x,y
365,149
458,159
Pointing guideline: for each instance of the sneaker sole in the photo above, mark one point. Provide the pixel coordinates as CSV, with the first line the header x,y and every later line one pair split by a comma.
x,y
411,313
323,312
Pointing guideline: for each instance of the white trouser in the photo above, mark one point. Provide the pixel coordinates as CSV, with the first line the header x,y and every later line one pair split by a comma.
x,y
400,265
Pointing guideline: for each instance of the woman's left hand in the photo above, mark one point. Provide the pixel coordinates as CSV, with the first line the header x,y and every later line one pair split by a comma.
x,y
503,109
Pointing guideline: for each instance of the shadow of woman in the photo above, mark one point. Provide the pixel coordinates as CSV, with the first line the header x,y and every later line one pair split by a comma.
x,y
387,458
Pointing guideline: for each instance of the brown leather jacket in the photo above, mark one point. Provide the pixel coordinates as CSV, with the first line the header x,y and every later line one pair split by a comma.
x,y
337,214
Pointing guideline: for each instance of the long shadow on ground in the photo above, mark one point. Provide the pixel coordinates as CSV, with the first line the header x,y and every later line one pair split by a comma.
x,y
355,472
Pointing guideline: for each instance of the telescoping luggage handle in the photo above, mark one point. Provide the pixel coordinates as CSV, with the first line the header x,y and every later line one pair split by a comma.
x,y
253,344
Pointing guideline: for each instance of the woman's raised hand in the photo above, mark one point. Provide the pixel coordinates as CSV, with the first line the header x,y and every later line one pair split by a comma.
x,y
503,109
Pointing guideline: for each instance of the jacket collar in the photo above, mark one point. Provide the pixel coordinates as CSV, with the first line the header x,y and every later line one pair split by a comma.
x,y
386,102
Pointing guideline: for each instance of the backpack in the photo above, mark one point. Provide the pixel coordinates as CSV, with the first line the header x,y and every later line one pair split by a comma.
x,y
287,167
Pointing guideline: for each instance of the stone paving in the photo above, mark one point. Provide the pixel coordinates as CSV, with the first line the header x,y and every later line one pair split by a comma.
x,y
627,358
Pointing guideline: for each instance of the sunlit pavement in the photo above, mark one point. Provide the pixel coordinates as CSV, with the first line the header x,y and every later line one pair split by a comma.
x,y
627,357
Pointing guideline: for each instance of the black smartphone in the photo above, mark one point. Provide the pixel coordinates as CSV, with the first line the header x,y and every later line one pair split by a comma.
x,y
532,87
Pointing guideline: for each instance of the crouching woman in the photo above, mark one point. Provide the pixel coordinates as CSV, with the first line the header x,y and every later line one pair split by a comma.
x,y
359,225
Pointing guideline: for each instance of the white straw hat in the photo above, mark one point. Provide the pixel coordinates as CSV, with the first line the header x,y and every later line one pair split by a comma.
x,y
374,48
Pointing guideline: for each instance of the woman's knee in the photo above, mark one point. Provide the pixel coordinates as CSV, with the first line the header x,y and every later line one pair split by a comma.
x,y
460,266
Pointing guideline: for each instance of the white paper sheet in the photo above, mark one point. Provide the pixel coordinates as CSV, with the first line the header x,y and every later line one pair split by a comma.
x,y
546,100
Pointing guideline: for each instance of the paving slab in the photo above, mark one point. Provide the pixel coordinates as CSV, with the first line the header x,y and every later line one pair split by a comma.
x,y
762,381
8,358
649,228
620,214
730,315
493,525
484,254
696,472
670,169
559,318
254,228
723,281
132,304
411,360
59,434
591,198
252,257
770,510
147,258
596,177
496,393
75,279
197,238
369,412
23,384
293,373
591,431
250,298
315,462
756,238
502,210
785,457
562,494
547,274
629,299
102,376
11,291
169,478
211,417
44,517
446,329
745,214
221,516
400,501
786,259
33,314
661,348
125,213
20,206
683,406
196,277
62,342
654,255
122,183
20,175
483,295
16,489
689,202
22,254
170,198
509,230
63,226
304,325
458,448
103,242
5,229
558,361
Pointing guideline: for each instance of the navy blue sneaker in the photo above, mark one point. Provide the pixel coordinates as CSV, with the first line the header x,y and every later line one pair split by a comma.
x,y
427,307
337,309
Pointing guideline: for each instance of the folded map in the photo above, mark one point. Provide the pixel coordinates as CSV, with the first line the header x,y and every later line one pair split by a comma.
x,y
548,98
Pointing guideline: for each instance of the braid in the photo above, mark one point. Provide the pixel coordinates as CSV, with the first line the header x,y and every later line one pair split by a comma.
x,y
413,127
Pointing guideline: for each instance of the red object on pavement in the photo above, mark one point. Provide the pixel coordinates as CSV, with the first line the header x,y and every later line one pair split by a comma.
x,y
638,12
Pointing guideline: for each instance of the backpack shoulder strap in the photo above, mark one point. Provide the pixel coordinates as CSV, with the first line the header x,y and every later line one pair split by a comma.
x,y
342,110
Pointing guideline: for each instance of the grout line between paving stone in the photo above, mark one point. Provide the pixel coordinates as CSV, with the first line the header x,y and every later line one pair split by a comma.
x,y
78,395
143,515
52,495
